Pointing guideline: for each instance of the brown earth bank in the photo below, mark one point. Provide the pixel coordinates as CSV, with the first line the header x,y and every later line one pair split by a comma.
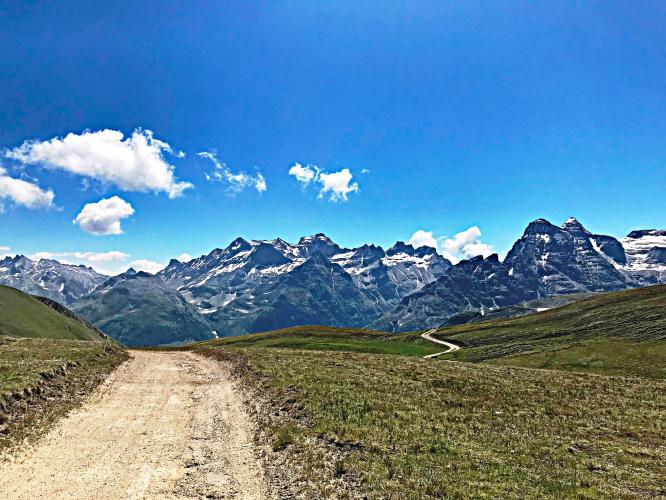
x,y
43,388
163,425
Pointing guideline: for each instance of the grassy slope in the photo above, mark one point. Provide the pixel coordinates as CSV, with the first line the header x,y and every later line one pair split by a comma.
x,y
424,428
622,333
24,316
419,428
324,338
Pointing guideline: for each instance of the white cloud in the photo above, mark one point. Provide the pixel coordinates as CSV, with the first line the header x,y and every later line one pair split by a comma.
x,y
338,184
237,181
260,183
104,216
423,238
304,175
365,171
458,242
24,193
4,251
135,163
184,257
146,265
464,245
477,248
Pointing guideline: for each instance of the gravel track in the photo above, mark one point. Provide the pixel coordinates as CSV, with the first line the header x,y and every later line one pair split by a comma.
x,y
163,425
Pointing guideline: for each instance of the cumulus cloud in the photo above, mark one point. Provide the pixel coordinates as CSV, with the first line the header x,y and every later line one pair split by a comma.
x,y
146,265
463,245
304,175
337,184
423,238
103,217
184,257
22,192
135,163
236,181
475,248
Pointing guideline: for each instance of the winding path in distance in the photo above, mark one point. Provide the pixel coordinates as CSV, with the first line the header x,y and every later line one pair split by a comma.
x,y
428,336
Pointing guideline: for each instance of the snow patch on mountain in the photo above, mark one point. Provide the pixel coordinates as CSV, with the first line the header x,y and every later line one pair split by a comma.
x,y
646,250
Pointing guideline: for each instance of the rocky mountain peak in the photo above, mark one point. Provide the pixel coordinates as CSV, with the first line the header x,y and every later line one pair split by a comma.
x,y
315,237
400,247
238,245
540,226
317,243
265,255
369,252
424,251
173,264
572,225
493,258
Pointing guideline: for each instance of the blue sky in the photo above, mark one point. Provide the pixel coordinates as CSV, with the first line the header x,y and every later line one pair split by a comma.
x,y
446,115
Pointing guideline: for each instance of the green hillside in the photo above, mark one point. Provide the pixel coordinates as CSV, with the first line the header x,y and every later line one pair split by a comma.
x,y
430,428
22,315
407,427
620,333
327,338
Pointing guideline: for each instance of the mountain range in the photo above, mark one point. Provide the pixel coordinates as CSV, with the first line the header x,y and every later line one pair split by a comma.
x,y
259,285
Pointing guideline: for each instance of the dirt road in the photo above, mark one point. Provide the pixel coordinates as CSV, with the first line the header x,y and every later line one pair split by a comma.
x,y
428,336
164,425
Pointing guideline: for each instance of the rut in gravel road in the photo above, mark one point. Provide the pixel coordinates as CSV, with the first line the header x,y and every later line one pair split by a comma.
x,y
163,425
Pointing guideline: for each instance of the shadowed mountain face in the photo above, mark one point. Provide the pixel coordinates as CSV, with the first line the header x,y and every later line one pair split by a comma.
x,y
546,261
139,309
252,286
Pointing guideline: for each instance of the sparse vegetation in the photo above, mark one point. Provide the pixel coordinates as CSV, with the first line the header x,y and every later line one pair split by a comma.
x,y
414,428
283,436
